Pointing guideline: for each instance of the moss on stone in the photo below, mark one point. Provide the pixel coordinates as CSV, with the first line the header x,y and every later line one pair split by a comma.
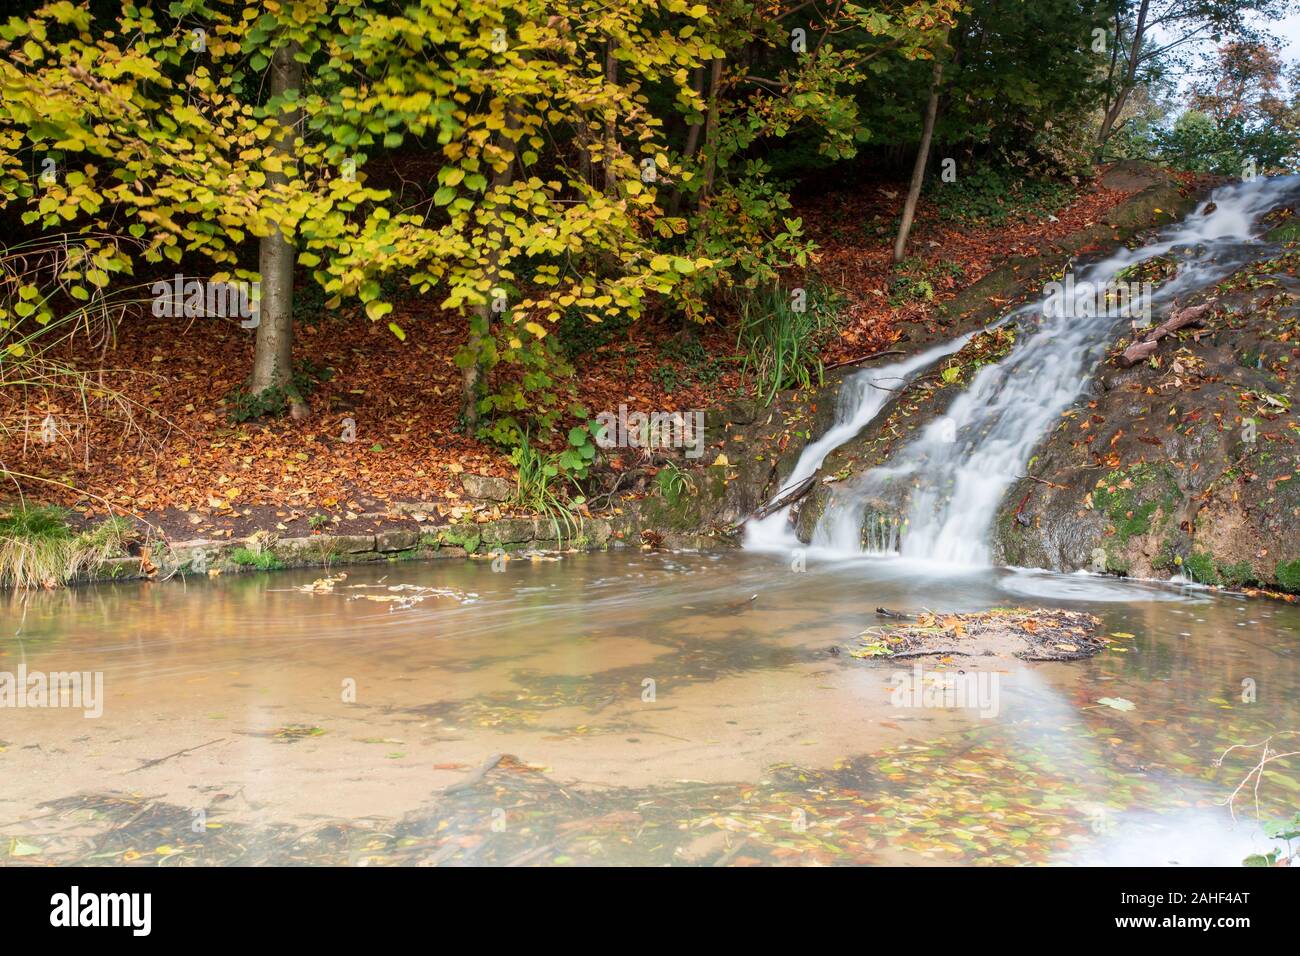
x,y
1115,564
1236,574
1288,576
1200,568
1135,499
464,536
262,560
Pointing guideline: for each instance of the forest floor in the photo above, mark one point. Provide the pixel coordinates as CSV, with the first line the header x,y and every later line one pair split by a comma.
x,y
167,449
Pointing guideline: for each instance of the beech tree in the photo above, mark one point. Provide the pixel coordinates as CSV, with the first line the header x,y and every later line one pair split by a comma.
x,y
149,139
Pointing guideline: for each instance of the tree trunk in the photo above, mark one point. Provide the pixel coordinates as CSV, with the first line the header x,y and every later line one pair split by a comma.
x,y
611,139
273,352
1130,76
480,327
922,159
711,131
692,142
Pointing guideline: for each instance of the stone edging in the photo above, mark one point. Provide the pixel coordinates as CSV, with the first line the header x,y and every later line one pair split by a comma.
x,y
267,552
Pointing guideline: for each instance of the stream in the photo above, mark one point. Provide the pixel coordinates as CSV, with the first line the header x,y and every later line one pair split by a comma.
x,y
647,710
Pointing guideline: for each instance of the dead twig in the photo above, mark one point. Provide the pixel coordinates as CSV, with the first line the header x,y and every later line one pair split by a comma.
x,y
475,777
1256,773
862,358
187,750
1041,481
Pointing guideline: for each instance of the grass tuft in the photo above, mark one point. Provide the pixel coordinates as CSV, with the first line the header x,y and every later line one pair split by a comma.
x,y
38,549
782,334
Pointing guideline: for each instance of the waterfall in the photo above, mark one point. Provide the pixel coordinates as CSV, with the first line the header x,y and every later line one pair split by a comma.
x,y
861,397
950,479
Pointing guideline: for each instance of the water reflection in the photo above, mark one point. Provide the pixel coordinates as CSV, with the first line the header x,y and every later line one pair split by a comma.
x,y
688,704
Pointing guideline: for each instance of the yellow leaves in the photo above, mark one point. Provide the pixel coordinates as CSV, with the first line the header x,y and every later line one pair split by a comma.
x,y
204,176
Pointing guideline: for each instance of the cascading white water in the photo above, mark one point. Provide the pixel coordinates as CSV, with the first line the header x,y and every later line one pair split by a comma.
x,y
961,465
861,397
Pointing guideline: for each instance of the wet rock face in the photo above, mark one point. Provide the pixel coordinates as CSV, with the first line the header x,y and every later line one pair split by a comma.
x,y
749,449
1184,464
845,475
759,446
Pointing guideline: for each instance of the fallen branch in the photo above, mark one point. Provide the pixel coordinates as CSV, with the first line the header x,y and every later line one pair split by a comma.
x,y
1255,775
787,498
1041,481
528,856
731,854
1181,318
862,358
475,777
886,612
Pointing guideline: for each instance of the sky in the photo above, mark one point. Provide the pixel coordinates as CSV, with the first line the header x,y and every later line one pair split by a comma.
x,y
1289,31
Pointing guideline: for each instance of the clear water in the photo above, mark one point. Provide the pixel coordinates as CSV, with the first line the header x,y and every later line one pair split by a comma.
x,y
226,702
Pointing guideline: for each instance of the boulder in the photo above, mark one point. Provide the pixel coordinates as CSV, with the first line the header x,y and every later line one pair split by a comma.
x,y
487,487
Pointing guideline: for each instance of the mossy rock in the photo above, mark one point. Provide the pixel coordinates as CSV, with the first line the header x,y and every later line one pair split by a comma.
x,y
261,560
1288,576
1200,568
506,532
1237,574
1137,500
466,536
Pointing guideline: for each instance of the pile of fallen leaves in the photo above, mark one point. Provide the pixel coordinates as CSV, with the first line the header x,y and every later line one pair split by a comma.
x,y
1031,634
